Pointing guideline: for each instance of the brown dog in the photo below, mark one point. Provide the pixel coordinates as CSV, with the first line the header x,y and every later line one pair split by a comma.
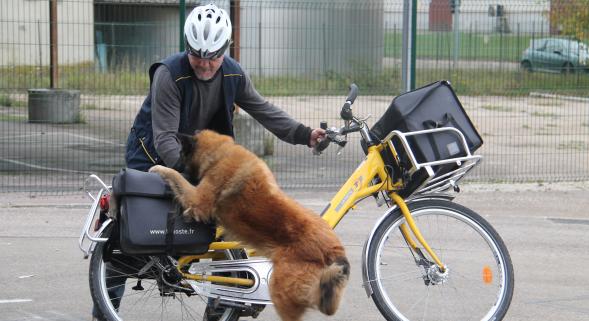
x,y
239,192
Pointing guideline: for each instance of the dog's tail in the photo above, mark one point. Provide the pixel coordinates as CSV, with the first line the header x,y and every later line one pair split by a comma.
x,y
331,285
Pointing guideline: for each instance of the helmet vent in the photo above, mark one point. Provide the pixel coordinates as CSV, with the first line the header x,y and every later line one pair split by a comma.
x,y
194,32
210,16
218,19
207,30
218,35
199,17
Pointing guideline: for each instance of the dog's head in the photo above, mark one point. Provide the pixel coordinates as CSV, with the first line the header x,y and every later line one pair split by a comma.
x,y
200,150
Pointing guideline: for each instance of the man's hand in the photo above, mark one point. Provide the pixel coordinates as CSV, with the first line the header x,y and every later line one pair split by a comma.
x,y
317,135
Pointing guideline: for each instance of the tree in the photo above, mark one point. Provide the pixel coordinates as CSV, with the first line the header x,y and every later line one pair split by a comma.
x,y
570,17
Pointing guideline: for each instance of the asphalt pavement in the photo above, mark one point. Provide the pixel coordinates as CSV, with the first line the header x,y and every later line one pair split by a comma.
x,y
43,275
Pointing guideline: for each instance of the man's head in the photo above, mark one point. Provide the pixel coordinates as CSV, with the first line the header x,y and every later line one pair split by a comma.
x,y
207,32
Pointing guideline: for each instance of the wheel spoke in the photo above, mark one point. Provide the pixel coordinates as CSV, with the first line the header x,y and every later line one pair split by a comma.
x,y
153,299
462,240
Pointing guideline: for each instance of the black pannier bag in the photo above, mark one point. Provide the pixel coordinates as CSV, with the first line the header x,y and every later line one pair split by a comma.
x,y
151,221
432,106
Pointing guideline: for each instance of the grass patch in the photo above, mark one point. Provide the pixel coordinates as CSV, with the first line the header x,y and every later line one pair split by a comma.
x,y
371,81
549,103
542,114
6,101
473,45
497,108
88,107
83,76
574,145
13,118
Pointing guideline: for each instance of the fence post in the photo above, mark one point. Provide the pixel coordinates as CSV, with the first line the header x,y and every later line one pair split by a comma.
x,y
235,15
408,57
182,16
54,74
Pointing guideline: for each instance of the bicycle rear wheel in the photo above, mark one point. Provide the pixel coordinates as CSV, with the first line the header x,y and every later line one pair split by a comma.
x,y
149,299
479,281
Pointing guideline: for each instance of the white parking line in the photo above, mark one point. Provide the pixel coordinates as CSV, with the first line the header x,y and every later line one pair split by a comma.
x,y
95,139
12,138
15,301
42,167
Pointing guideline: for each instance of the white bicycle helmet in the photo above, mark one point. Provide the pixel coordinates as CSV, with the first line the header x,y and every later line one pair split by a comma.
x,y
207,31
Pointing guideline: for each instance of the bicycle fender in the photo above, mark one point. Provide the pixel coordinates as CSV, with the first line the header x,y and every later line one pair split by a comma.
x,y
366,282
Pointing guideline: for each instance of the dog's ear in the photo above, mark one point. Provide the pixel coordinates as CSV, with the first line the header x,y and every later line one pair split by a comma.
x,y
188,144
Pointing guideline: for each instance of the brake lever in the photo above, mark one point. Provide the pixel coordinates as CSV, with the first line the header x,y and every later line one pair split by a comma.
x,y
341,143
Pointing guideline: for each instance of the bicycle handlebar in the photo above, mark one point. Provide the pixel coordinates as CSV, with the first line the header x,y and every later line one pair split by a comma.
x,y
346,112
352,93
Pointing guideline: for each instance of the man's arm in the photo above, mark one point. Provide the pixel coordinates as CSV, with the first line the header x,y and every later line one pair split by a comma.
x,y
273,118
165,117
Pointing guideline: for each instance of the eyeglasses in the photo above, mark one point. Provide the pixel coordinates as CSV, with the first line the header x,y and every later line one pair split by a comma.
x,y
207,55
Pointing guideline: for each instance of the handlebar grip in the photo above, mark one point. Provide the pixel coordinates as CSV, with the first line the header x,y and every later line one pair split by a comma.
x,y
346,113
353,93
321,146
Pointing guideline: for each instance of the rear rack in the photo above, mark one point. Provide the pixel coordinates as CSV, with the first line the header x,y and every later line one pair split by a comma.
x,y
89,237
432,183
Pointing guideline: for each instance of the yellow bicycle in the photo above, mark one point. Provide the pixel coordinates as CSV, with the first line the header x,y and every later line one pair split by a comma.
x,y
427,258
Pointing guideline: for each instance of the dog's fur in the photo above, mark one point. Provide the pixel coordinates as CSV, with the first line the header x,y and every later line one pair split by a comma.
x,y
238,191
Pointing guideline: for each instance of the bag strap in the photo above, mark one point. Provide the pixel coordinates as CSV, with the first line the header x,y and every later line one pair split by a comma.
x,y
172,215
431,124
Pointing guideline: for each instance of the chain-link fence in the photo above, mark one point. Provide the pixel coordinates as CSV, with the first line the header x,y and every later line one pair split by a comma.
x,y
524,85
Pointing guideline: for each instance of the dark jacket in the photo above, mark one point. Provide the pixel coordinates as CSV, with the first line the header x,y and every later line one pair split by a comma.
x,y
140,153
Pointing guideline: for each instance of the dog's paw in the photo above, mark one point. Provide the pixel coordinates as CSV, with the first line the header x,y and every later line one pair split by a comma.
x,y
187,215
195,213
157,169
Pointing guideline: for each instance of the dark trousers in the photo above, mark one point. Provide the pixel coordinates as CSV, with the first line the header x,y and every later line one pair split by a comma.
x,y
115,287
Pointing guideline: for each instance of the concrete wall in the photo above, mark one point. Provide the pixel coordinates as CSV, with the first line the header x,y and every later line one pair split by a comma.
x,y
294,37
24,32
529,15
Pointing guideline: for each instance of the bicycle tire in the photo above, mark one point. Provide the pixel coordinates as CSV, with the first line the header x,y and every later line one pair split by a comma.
x,y
411,297
176,308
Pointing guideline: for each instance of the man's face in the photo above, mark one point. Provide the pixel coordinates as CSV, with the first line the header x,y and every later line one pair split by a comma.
x,y
205,69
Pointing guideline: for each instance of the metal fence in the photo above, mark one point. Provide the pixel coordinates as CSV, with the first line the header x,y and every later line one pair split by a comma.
x,y
301,55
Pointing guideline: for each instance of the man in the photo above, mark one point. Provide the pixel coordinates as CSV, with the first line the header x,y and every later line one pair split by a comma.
x,y
197,89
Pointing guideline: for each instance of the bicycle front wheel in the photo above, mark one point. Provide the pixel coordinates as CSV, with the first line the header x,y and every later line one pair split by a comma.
x,y
131,288
477,284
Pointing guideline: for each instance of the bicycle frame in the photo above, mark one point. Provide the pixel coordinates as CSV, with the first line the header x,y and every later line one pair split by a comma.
x,y
360,185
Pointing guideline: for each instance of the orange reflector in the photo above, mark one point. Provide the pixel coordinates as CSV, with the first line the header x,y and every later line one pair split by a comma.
x,y
487,275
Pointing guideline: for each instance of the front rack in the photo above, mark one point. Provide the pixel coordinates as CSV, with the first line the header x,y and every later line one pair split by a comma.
x,y
432,183
89,237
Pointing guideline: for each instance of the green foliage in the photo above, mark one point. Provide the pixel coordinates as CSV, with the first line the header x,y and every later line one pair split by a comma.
x,y
571,17
5,101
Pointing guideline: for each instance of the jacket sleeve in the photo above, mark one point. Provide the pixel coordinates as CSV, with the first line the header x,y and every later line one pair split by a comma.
x,y
274,119
165,117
